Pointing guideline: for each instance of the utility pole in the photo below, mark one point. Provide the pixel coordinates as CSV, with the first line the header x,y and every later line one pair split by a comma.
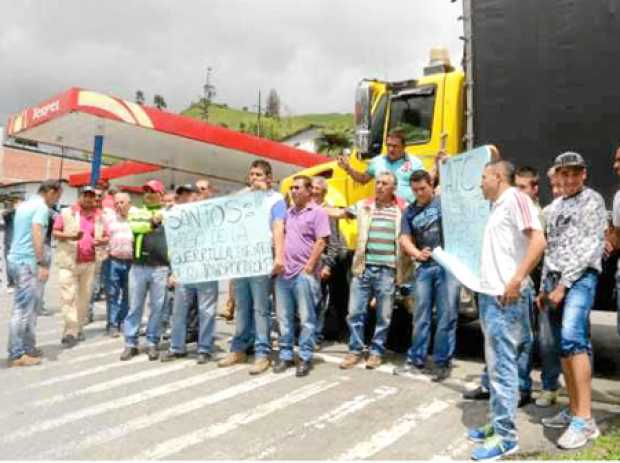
x,y
208,93
258,128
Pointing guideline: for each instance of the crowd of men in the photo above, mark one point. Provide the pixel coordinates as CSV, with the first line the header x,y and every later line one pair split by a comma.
x,y
534,261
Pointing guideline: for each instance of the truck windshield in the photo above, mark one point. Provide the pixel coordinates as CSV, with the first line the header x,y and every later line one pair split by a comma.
x,y
413,112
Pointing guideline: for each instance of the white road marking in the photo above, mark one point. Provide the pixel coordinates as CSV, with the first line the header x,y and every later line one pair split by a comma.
x,y
454,451
90,371
389,369
180,443
115,404
402,426
106,385
142,422
333,416
348,408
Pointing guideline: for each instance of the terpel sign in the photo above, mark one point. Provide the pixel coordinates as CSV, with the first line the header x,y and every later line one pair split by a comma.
x,y
43,111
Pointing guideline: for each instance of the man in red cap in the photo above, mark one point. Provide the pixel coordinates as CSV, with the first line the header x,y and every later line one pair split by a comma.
x,y
149,272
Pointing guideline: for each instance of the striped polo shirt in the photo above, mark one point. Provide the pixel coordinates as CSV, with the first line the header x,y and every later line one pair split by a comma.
x,y
381,245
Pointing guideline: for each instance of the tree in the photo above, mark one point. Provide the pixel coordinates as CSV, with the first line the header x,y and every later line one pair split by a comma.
x,y
272,108
140,97
332,142
159,102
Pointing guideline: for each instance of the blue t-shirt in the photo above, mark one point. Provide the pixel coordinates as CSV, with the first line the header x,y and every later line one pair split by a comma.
x,y
28,213
423,223
402,169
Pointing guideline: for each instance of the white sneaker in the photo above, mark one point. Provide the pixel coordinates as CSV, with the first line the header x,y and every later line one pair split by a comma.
x,y
578,433
560,420
547,398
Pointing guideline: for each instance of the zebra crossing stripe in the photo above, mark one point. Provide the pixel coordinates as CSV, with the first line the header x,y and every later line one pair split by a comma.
x,y
89,371
116,404
123,380
402,426
342,411
143,422
178,444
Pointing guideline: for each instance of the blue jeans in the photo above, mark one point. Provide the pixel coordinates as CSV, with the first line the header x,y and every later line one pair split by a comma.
x,y
549,347
143,279
22,327
505,331
524,357
434,286
571,327
252,315
379,281
206,295
321,311
117,289
301,291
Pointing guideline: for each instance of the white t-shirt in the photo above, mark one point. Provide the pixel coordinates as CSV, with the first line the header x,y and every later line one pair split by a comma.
x,y
505,244
616,210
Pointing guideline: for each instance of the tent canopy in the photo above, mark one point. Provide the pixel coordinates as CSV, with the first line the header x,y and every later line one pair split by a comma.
x,y
148,135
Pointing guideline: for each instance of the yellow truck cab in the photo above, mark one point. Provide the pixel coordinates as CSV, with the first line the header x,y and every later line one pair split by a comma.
x,y
431,112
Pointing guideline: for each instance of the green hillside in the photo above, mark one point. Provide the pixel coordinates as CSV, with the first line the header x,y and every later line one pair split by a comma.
x,y
275,129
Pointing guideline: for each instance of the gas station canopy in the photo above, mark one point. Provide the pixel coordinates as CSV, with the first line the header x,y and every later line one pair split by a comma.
x,y
140,133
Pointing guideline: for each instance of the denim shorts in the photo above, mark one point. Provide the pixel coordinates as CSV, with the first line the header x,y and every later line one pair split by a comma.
x,y
572,330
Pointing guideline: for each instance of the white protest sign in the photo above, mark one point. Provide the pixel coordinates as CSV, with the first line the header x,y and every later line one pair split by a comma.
x,y
221,238
464,215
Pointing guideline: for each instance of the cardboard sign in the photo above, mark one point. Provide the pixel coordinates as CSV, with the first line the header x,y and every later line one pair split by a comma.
x,y
221,238
464,215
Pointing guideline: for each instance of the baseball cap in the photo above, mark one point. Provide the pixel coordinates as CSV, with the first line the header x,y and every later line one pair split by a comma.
x,y
186,188
88,189
155,185
569,159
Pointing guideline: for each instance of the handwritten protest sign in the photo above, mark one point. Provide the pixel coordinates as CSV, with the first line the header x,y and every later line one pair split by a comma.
x,y
464,215
220,238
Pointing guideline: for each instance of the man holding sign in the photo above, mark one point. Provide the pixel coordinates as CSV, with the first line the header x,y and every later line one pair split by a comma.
x,y
513,243
252,294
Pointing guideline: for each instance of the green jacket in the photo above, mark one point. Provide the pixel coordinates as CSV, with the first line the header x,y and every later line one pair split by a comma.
x,y
149,245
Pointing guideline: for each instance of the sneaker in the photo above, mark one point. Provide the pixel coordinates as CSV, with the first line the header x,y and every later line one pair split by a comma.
x,y
547,398
480,434
36,352
372,362
260,365
280,366
153,353
202,358
494,448
114,332
349,361
579,432
480,393
128,353
561,420
169,356
410,369
81,337
441,373
232,359
69,341
303,368
24,361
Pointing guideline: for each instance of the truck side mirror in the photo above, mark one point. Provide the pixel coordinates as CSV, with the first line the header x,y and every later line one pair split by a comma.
x,y
363,101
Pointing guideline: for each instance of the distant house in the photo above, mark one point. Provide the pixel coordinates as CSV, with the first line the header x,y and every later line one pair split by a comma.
x,y
304,139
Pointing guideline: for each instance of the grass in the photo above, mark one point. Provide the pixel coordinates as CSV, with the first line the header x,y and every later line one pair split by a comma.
x,y
238,119
606,447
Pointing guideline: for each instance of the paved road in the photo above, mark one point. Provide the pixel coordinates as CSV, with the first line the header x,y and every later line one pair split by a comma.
x,y
86,404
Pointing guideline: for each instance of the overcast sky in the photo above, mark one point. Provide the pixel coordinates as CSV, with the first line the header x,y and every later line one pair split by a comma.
x,y
313,52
